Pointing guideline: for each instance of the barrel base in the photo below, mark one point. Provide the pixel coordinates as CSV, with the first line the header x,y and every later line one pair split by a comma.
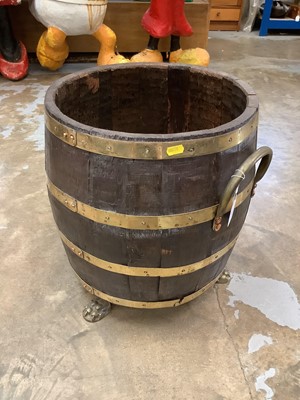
x,y
96,310
224,277
144,304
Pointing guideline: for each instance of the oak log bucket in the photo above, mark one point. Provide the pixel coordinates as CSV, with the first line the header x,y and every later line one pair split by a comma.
x,y
144,164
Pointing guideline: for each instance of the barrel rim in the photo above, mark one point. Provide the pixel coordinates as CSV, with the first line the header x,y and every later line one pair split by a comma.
x,y
53,111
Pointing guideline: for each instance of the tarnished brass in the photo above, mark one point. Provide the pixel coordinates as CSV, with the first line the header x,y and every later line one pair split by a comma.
x,y
96,310
141,222
62,197
224,278
265,155
142,150
145,304
141,271
62,132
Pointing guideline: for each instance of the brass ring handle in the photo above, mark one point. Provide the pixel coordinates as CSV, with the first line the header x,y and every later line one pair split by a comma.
x,y
265,155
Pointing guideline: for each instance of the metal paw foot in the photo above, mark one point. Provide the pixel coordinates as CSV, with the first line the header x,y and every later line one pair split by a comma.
x,y
224,278
96,310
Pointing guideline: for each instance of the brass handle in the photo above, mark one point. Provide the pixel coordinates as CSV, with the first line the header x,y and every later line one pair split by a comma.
x,y
265,155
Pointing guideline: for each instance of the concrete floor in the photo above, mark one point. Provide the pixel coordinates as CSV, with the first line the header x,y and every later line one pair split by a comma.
x,y
239,341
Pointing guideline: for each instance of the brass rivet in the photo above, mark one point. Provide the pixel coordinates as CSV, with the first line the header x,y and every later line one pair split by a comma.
x,y
143,223
190,218
72,137
147,151
108,148
66,201
191,149
65,135
230,140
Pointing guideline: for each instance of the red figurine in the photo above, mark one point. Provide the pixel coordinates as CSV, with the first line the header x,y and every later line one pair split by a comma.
x,y
13,54
167,18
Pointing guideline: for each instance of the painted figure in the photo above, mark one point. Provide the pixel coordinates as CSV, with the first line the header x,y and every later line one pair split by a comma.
x,y
72,17
13,54
167,18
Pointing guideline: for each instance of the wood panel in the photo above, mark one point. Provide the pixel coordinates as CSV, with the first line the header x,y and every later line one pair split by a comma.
x,y
225,14
225,3
224,25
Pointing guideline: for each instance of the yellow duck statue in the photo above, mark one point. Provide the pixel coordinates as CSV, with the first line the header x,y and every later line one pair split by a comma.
x,y
71,18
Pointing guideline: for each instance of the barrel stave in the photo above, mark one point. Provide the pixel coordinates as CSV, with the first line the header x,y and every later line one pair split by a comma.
x,y
142,248
155,107
143,187
145,289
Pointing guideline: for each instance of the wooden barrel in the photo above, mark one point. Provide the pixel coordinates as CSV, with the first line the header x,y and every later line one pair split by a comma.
x,y
144,164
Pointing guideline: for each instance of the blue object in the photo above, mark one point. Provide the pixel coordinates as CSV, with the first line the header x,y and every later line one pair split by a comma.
x,y
275,23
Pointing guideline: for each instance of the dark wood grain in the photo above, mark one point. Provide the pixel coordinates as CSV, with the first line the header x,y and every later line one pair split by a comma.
x,y
153,103
158,248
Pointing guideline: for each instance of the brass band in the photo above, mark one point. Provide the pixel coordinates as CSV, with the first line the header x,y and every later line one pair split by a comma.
x,y
145,304
142,150
145,271
143,222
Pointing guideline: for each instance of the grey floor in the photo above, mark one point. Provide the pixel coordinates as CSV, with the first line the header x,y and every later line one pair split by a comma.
x,y
239,341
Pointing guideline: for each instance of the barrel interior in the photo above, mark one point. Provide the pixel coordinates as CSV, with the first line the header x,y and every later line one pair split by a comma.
x,y
152,100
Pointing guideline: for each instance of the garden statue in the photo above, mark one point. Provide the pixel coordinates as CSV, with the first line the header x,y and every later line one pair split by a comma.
x,y
13,54
166,18
72,17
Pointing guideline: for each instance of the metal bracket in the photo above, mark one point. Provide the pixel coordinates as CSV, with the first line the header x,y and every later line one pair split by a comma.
x,y
224,278
96,310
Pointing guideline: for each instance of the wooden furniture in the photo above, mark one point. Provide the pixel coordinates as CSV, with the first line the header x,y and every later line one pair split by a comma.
x,y
225,15
142,162
124,17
